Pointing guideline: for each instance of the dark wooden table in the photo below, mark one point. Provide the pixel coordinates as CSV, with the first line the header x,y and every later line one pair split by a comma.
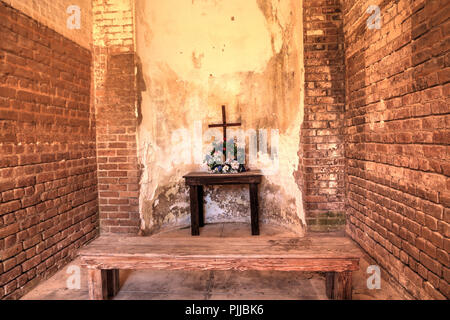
x,y
196,181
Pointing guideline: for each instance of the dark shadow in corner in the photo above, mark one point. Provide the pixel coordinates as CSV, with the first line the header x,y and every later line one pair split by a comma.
x,y
140,87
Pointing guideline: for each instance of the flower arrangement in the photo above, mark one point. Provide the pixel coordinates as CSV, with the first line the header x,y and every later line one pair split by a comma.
x,y
215,162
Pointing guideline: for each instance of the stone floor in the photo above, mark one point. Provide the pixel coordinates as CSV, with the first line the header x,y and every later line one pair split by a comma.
x,y
205,285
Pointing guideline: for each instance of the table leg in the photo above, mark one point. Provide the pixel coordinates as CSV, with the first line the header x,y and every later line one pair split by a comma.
x,y
254,207
193,193
201,212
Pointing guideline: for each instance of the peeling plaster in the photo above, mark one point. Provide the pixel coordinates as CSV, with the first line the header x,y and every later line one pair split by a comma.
x,y
195,59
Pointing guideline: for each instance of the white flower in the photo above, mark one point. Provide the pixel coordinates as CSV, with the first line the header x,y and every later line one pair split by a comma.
x,y
225,169
217,157
235,164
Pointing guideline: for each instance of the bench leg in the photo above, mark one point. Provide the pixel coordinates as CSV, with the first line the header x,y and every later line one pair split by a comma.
x,y
97,284
339,285
329,284
112,282
201,213
193,193
103,283
254,207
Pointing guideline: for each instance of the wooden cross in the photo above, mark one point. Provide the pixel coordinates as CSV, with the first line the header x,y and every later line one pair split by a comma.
x,y
224,125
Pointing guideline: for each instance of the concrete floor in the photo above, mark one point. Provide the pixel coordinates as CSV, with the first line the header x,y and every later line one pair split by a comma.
x,y
211,285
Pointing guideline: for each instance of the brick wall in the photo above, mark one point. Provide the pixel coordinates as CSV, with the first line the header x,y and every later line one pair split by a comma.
x,y
322,135
48,182
397,134
116,114
53,14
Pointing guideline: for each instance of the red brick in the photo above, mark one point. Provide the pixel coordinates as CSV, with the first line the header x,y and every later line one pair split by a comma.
x,y
395,167
9,207
35,136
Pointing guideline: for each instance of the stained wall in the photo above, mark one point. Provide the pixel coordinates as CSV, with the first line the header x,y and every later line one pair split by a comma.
x,y
247,55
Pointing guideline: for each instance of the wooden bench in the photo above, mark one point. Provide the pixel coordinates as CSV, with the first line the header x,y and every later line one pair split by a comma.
x,y
105,256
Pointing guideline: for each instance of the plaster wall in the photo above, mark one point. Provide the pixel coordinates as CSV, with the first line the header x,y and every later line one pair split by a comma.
x,y
247,55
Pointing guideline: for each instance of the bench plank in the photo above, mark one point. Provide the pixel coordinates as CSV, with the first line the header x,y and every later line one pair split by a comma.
x,y
209,247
